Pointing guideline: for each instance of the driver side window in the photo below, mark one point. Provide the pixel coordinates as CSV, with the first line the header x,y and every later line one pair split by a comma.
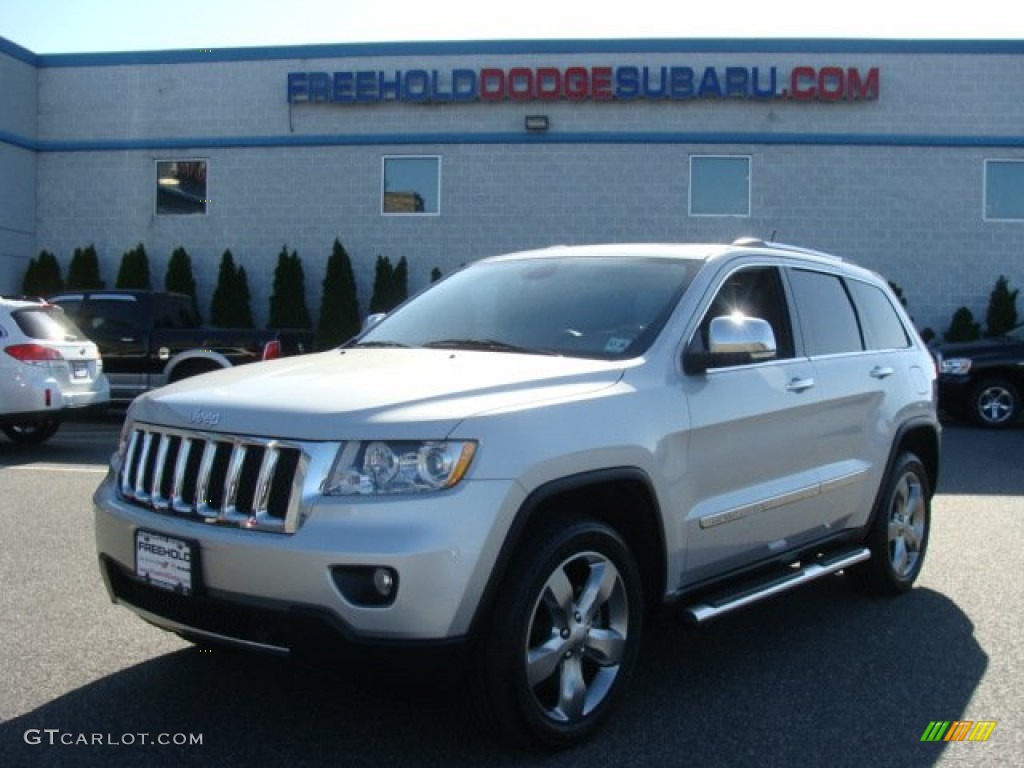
x,y
753,292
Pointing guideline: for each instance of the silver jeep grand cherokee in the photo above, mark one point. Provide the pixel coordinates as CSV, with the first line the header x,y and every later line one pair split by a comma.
x,y
523,458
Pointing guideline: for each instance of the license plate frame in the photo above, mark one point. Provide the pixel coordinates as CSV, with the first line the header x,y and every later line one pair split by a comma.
x,y
166,562
79,370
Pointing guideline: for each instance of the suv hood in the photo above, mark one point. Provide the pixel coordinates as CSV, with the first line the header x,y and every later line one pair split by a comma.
x,y
369,393
983,348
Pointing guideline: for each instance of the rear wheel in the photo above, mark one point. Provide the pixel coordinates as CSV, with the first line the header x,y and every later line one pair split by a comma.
x,y
565,635
898,536
33,432
189,369
995,403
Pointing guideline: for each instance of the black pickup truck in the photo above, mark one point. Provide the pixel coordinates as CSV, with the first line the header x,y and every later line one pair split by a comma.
x,y
151,338
983,379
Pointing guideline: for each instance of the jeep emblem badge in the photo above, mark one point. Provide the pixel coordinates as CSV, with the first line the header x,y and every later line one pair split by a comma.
x,y
207,418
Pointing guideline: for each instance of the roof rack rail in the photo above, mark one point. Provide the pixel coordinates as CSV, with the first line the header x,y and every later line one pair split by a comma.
x,y
34,299
755,242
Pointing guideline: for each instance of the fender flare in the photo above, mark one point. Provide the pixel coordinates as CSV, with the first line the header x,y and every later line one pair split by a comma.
x,y
527,515
209,358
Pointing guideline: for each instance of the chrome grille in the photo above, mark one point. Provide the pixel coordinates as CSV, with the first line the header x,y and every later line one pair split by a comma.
x,y
230,480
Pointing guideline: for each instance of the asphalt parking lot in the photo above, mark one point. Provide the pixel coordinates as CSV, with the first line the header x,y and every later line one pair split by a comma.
x,y
819,676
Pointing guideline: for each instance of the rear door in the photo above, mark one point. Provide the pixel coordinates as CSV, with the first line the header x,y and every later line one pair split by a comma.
x,y
859,349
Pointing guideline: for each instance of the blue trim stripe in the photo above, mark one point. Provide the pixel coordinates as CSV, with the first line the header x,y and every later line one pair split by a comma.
x,y
20,142
518,47
15,51
579,137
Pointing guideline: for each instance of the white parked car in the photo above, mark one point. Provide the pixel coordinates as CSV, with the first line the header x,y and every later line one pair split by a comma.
x,y
48,368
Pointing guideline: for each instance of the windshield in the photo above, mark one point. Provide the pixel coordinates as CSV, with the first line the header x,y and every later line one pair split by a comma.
x,y
598,307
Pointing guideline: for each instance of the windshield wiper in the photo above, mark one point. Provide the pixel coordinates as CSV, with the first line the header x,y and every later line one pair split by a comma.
x,y
488,345
379,345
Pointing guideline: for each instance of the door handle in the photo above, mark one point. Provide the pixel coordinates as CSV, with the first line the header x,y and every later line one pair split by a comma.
x,y
882,371
127,339
799,385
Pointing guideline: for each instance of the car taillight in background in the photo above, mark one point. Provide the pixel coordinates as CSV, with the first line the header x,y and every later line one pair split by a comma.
x,y
33,353
272,350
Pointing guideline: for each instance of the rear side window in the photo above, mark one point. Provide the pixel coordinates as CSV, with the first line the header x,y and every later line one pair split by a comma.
x,y
882,326
174,312
47,324
827,317
110,314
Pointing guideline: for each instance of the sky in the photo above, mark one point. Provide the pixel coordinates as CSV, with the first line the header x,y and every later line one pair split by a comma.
x,y
76,26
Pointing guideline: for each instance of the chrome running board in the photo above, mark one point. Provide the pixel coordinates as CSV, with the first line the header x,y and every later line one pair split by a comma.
x,y
751,592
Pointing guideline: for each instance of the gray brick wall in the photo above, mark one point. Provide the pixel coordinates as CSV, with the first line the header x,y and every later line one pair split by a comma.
x,y
17,168
910,207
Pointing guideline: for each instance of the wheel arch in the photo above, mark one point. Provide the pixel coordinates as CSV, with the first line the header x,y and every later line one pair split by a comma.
x,y
922,438
622,498
1008,371
192,363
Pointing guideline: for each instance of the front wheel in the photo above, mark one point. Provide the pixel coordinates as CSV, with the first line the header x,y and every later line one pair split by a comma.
x,y
565,635
995,403
898,536
33,432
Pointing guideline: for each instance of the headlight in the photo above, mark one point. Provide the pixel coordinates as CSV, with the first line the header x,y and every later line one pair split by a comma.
x,y
957,366
398,466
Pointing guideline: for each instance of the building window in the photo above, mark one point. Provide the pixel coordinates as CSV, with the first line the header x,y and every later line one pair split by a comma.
x,y
181,187
719,185
411,185
1004,190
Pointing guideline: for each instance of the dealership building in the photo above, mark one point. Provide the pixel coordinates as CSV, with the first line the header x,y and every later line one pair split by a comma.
x,y
905,156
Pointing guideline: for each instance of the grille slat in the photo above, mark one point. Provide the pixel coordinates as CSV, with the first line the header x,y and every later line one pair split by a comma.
x,y
156,490
205,508
178,503
229,480
129,460
141,489
228,509
261,499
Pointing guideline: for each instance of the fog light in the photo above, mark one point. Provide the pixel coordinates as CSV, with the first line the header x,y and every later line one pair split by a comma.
x,y
366,586
384,581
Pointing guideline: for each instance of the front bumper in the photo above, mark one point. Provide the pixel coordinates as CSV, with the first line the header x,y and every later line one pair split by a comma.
x,y
275,591
954,392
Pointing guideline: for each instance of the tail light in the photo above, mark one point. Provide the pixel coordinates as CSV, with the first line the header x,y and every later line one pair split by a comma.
x,y
272,350
33,353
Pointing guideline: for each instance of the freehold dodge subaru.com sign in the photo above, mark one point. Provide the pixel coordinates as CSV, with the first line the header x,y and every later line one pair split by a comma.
x,y
596,83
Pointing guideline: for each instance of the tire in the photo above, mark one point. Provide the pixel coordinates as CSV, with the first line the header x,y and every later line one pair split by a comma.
x,y
564,635
32,432
995,403
188,370
898,537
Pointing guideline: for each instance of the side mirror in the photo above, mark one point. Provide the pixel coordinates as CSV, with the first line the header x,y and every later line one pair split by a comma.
x,y
372,320
733,340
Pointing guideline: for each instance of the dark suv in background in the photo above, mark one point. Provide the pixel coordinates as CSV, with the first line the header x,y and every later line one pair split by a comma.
x,y
983,380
